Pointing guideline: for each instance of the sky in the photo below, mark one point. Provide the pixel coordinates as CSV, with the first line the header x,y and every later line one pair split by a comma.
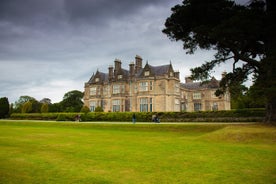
x,y
50,47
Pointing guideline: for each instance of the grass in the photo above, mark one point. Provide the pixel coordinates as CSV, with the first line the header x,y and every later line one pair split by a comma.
x,y
41,152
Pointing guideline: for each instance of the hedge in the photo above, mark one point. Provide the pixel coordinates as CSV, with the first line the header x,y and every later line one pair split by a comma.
x,y
240,115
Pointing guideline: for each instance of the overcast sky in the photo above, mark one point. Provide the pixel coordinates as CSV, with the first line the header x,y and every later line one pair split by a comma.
x,y
50,47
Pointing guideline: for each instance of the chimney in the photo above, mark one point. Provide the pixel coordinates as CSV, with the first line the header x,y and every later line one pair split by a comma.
x,y
176,74
110,72
223,74
138,63
131,69
117,63
188,79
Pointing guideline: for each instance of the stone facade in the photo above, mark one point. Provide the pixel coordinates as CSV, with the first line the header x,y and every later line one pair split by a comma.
x,y
150,89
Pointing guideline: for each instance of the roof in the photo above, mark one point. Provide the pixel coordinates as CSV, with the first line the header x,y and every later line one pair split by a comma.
x,y
213,83
102,77
160,70
155,70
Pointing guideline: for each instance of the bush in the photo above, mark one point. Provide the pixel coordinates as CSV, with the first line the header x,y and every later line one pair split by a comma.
x,y
98,109
244,115
85,109
61,117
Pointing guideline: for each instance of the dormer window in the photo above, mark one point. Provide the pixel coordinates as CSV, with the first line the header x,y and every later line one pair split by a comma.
x,y
171,74
120,76
97,79
147,73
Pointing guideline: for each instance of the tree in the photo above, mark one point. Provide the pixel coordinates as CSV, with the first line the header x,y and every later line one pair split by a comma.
x,y
72,101
55,107
85,109
4,107
19,103
27,107
44,108
243,35
46,101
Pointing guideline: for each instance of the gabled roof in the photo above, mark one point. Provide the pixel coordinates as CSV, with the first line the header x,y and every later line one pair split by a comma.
x,y
213,83
102,77
160,70
155,70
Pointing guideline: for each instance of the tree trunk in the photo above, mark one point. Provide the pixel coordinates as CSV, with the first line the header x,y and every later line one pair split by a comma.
x,y
271,112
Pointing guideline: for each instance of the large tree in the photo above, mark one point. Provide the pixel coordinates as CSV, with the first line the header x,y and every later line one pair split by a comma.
x,y
4,107
243,35
72,101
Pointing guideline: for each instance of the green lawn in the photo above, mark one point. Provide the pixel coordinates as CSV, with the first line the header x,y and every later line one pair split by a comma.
x,y
41,152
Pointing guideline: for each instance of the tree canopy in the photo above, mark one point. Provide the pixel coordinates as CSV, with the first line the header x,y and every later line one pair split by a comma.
x,y
243,35
72,101
4,107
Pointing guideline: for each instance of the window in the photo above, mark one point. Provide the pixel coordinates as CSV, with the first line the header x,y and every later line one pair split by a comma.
x,y
116,105
176,105
197,106
183,107
197,95
93,90
171,74
143,104
116,89
146,73
120,76
97,79
93,105
150,104
106,90
215,106
151,84
143,86
177,87
122,88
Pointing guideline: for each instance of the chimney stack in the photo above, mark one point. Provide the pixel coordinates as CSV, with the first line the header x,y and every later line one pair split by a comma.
x,y
176,74
117,63
110,72
223,74
131,69
138,63
188,79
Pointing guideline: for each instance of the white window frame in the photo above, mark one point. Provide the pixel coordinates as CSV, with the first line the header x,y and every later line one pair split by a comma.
x,y
143,104
151,86
143,86
93,105
116,105
197,107
93,90
147,73
116,89
197,95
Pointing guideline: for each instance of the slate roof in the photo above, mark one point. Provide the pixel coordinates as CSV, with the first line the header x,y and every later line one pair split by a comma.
x,y
102,77
213,83
160,70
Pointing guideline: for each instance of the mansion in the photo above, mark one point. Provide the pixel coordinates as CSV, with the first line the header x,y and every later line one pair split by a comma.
x,y
150,89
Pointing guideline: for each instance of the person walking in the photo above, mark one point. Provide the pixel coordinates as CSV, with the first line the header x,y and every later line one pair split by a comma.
x,y
134,118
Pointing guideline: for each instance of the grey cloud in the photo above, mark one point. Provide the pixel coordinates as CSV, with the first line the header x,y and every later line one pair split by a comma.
x,y
99,11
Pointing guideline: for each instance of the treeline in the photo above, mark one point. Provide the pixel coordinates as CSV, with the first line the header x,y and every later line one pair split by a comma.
x,y
71,102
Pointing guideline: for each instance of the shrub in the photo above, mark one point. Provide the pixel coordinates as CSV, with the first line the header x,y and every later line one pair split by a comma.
x,y
244,115
98,109
61,117
85,109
